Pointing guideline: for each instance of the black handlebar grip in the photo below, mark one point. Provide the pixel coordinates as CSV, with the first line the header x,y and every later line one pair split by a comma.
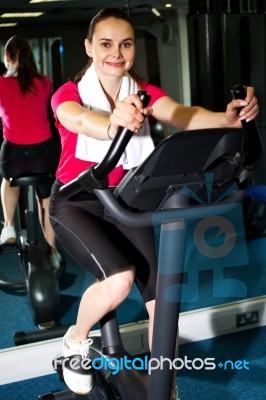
x,y
254,150
238,92
118,145
144,97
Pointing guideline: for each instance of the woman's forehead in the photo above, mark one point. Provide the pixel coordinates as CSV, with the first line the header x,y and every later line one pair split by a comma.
x,y
114,27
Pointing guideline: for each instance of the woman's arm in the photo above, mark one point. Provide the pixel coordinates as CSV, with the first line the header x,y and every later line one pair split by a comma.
x,y
167,111
130,114
78,119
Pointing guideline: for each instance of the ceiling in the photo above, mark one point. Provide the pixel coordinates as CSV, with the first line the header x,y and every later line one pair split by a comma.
x,y
73,11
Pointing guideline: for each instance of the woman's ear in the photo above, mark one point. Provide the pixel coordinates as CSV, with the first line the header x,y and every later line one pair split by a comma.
x,y
7,60
87,47
7,57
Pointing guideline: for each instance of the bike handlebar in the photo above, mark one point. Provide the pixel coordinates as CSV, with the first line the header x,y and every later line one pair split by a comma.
x,y
96,177
254,150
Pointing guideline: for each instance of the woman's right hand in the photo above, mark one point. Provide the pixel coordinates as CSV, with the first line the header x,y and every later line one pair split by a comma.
x,y
129,114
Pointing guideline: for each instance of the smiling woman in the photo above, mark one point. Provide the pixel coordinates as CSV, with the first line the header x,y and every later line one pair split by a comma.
x,y
112,54
89,112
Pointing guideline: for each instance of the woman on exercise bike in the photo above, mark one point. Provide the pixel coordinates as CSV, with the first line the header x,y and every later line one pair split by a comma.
x,y
89,110
28,146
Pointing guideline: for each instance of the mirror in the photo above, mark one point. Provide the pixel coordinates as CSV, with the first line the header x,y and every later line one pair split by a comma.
x,y
61,56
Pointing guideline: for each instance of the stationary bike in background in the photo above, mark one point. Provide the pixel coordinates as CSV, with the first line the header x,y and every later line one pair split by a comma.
x,y
163,191
40,280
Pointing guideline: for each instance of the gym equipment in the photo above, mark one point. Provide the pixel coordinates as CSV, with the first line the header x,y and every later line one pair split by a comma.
x,y
40,280
189,175
254,152
254,202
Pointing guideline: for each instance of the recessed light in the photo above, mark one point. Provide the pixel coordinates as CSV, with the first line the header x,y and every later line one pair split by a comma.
x,y
22,15
46,1
8,25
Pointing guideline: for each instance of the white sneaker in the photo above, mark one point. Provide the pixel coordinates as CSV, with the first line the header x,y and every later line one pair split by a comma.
x,y
8,235
77,371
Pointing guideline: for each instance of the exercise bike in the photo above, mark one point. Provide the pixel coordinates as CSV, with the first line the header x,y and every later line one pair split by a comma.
x,y
40,280
190,175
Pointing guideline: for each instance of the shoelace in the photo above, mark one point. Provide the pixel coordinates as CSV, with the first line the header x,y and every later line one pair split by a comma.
x,y
85,348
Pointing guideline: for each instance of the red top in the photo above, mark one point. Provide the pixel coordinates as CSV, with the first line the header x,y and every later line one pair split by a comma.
x,y
25,119
70,166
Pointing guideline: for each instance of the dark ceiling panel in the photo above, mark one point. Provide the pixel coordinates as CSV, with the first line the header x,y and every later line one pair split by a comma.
x,y
73,11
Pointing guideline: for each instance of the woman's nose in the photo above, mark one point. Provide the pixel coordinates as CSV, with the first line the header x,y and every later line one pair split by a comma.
x,y
117,53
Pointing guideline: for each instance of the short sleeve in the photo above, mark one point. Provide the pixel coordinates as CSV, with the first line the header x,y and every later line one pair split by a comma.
x,y
155,92
67,92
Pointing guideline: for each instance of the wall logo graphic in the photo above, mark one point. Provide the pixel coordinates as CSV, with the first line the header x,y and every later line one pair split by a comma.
x,y
210,236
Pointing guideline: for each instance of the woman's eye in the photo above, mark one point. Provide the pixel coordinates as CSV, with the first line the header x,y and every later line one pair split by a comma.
x,y
126,45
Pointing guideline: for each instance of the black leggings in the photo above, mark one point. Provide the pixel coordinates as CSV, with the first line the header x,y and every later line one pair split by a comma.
x,y
102,245
39,158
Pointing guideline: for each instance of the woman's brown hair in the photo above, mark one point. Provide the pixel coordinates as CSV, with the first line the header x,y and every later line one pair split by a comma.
x,y
19,51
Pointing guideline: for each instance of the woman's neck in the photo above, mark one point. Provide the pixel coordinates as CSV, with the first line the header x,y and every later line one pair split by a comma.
x,y
111,90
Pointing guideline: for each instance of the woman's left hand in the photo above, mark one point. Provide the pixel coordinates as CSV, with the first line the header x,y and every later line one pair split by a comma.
x,y
249,109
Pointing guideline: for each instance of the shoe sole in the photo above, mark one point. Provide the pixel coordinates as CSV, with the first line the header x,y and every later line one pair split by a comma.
x,y
75,389
82,393
10,241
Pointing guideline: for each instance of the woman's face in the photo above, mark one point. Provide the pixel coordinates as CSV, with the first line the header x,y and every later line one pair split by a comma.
x,y
112,48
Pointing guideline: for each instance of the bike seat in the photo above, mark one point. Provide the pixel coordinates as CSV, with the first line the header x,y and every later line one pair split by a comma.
x,y
33,179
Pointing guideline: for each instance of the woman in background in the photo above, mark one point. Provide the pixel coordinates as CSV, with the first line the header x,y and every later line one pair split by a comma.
x,y
28,146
